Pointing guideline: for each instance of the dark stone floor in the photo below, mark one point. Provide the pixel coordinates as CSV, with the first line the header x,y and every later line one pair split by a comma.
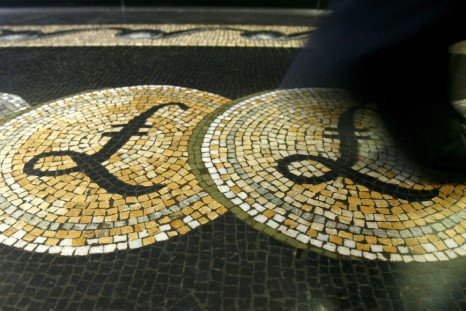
x,y
225,264
144,15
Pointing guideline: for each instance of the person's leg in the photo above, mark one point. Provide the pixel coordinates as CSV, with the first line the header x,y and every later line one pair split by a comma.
x,y
394,54
357,32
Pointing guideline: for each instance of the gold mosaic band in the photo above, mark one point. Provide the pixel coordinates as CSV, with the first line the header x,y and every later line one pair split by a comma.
x,y
154,35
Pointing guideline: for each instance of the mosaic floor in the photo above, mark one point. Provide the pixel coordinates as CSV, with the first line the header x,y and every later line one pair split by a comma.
x,y
314,168
159,166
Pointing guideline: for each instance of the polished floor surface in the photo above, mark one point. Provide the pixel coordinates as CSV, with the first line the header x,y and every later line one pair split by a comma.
x,y
148,159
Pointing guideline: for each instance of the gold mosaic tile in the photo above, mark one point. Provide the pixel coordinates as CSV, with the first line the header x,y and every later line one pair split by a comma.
x,y
321,172
103,171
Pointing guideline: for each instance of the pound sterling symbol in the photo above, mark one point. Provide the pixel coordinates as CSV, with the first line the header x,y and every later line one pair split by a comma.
x,y
91,164
342,166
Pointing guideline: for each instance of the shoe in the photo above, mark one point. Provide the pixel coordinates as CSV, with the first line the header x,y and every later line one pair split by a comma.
x,y
433,138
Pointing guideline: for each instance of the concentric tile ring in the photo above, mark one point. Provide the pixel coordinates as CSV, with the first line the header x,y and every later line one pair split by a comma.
x,y
103,170
307,167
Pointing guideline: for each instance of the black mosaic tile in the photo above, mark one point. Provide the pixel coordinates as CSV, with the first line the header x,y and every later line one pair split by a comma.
x,y
73,70
150,278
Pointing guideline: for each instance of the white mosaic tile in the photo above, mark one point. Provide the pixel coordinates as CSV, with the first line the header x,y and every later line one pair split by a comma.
x,y
11,104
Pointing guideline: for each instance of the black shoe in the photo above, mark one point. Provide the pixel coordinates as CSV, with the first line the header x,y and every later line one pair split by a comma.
x,y
433,138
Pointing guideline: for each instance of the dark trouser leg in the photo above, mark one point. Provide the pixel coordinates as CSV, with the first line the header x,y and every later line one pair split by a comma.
x,y
394,54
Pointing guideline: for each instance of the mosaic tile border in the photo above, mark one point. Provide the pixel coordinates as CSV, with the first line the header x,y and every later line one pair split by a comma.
x,y
210,184
155,35
45,232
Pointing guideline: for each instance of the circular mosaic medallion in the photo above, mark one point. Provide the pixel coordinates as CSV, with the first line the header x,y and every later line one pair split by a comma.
x,y
104,170
308,167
